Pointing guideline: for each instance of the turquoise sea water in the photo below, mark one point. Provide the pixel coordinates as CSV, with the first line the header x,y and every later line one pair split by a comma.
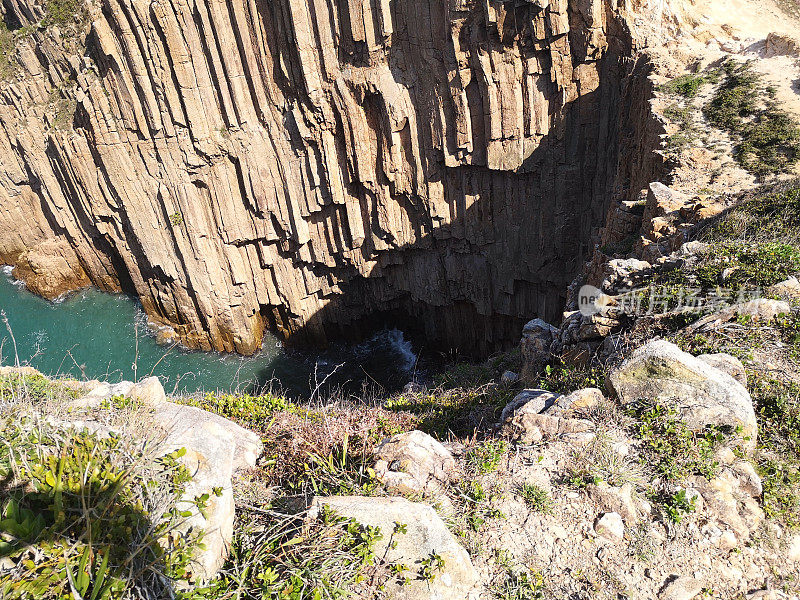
x,y
94,335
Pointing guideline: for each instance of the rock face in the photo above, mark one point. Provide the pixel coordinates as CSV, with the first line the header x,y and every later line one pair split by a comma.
x,y
425,535
302,166
700,393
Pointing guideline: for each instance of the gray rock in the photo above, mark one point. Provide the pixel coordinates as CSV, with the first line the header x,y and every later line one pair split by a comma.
x,y
528,427
760,310
728,364
414,463
537,338
216,449
149,391
692,248
614,499
681,588
701,394
190,422
426,534
412,387
509,378
531,401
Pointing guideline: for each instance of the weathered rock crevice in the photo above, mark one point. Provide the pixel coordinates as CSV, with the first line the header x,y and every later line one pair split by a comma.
x,y
306,166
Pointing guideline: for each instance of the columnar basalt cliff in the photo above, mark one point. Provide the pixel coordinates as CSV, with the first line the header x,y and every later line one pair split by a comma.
x,y
300,165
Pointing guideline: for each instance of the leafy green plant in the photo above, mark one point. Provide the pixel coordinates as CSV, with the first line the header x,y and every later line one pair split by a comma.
x,y
669,447
518,583
580,478
475,502
536,497
432,566
685,85
62,12
82,515
769,138
7,46
286,556
485,457
676,505
176,219
563,378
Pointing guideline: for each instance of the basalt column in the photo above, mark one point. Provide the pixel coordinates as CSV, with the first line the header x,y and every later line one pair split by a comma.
x,y
301,165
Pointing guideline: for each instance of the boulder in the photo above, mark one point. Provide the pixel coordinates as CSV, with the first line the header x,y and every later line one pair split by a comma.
x,y
624,273
760,310
577,402
701,394
190,423
425,535
610,526
148,391
728,364
414,463
786,289
781,44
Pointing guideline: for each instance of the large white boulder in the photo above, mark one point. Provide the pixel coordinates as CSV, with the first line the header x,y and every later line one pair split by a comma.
x,y
425,535
700,393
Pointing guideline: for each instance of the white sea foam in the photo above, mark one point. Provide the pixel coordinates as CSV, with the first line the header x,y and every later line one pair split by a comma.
x,y
395,339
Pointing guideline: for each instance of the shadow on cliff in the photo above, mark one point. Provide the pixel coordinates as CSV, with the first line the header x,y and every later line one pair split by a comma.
x,y
511,246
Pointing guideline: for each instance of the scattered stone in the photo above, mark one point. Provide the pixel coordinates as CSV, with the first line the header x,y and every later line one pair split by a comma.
x,y
692,248
509,378
617,500
728,364
578,402
412,387
528,427
529,402
701,394
426,534
414,463
610,526
624,273
781,44
681,588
